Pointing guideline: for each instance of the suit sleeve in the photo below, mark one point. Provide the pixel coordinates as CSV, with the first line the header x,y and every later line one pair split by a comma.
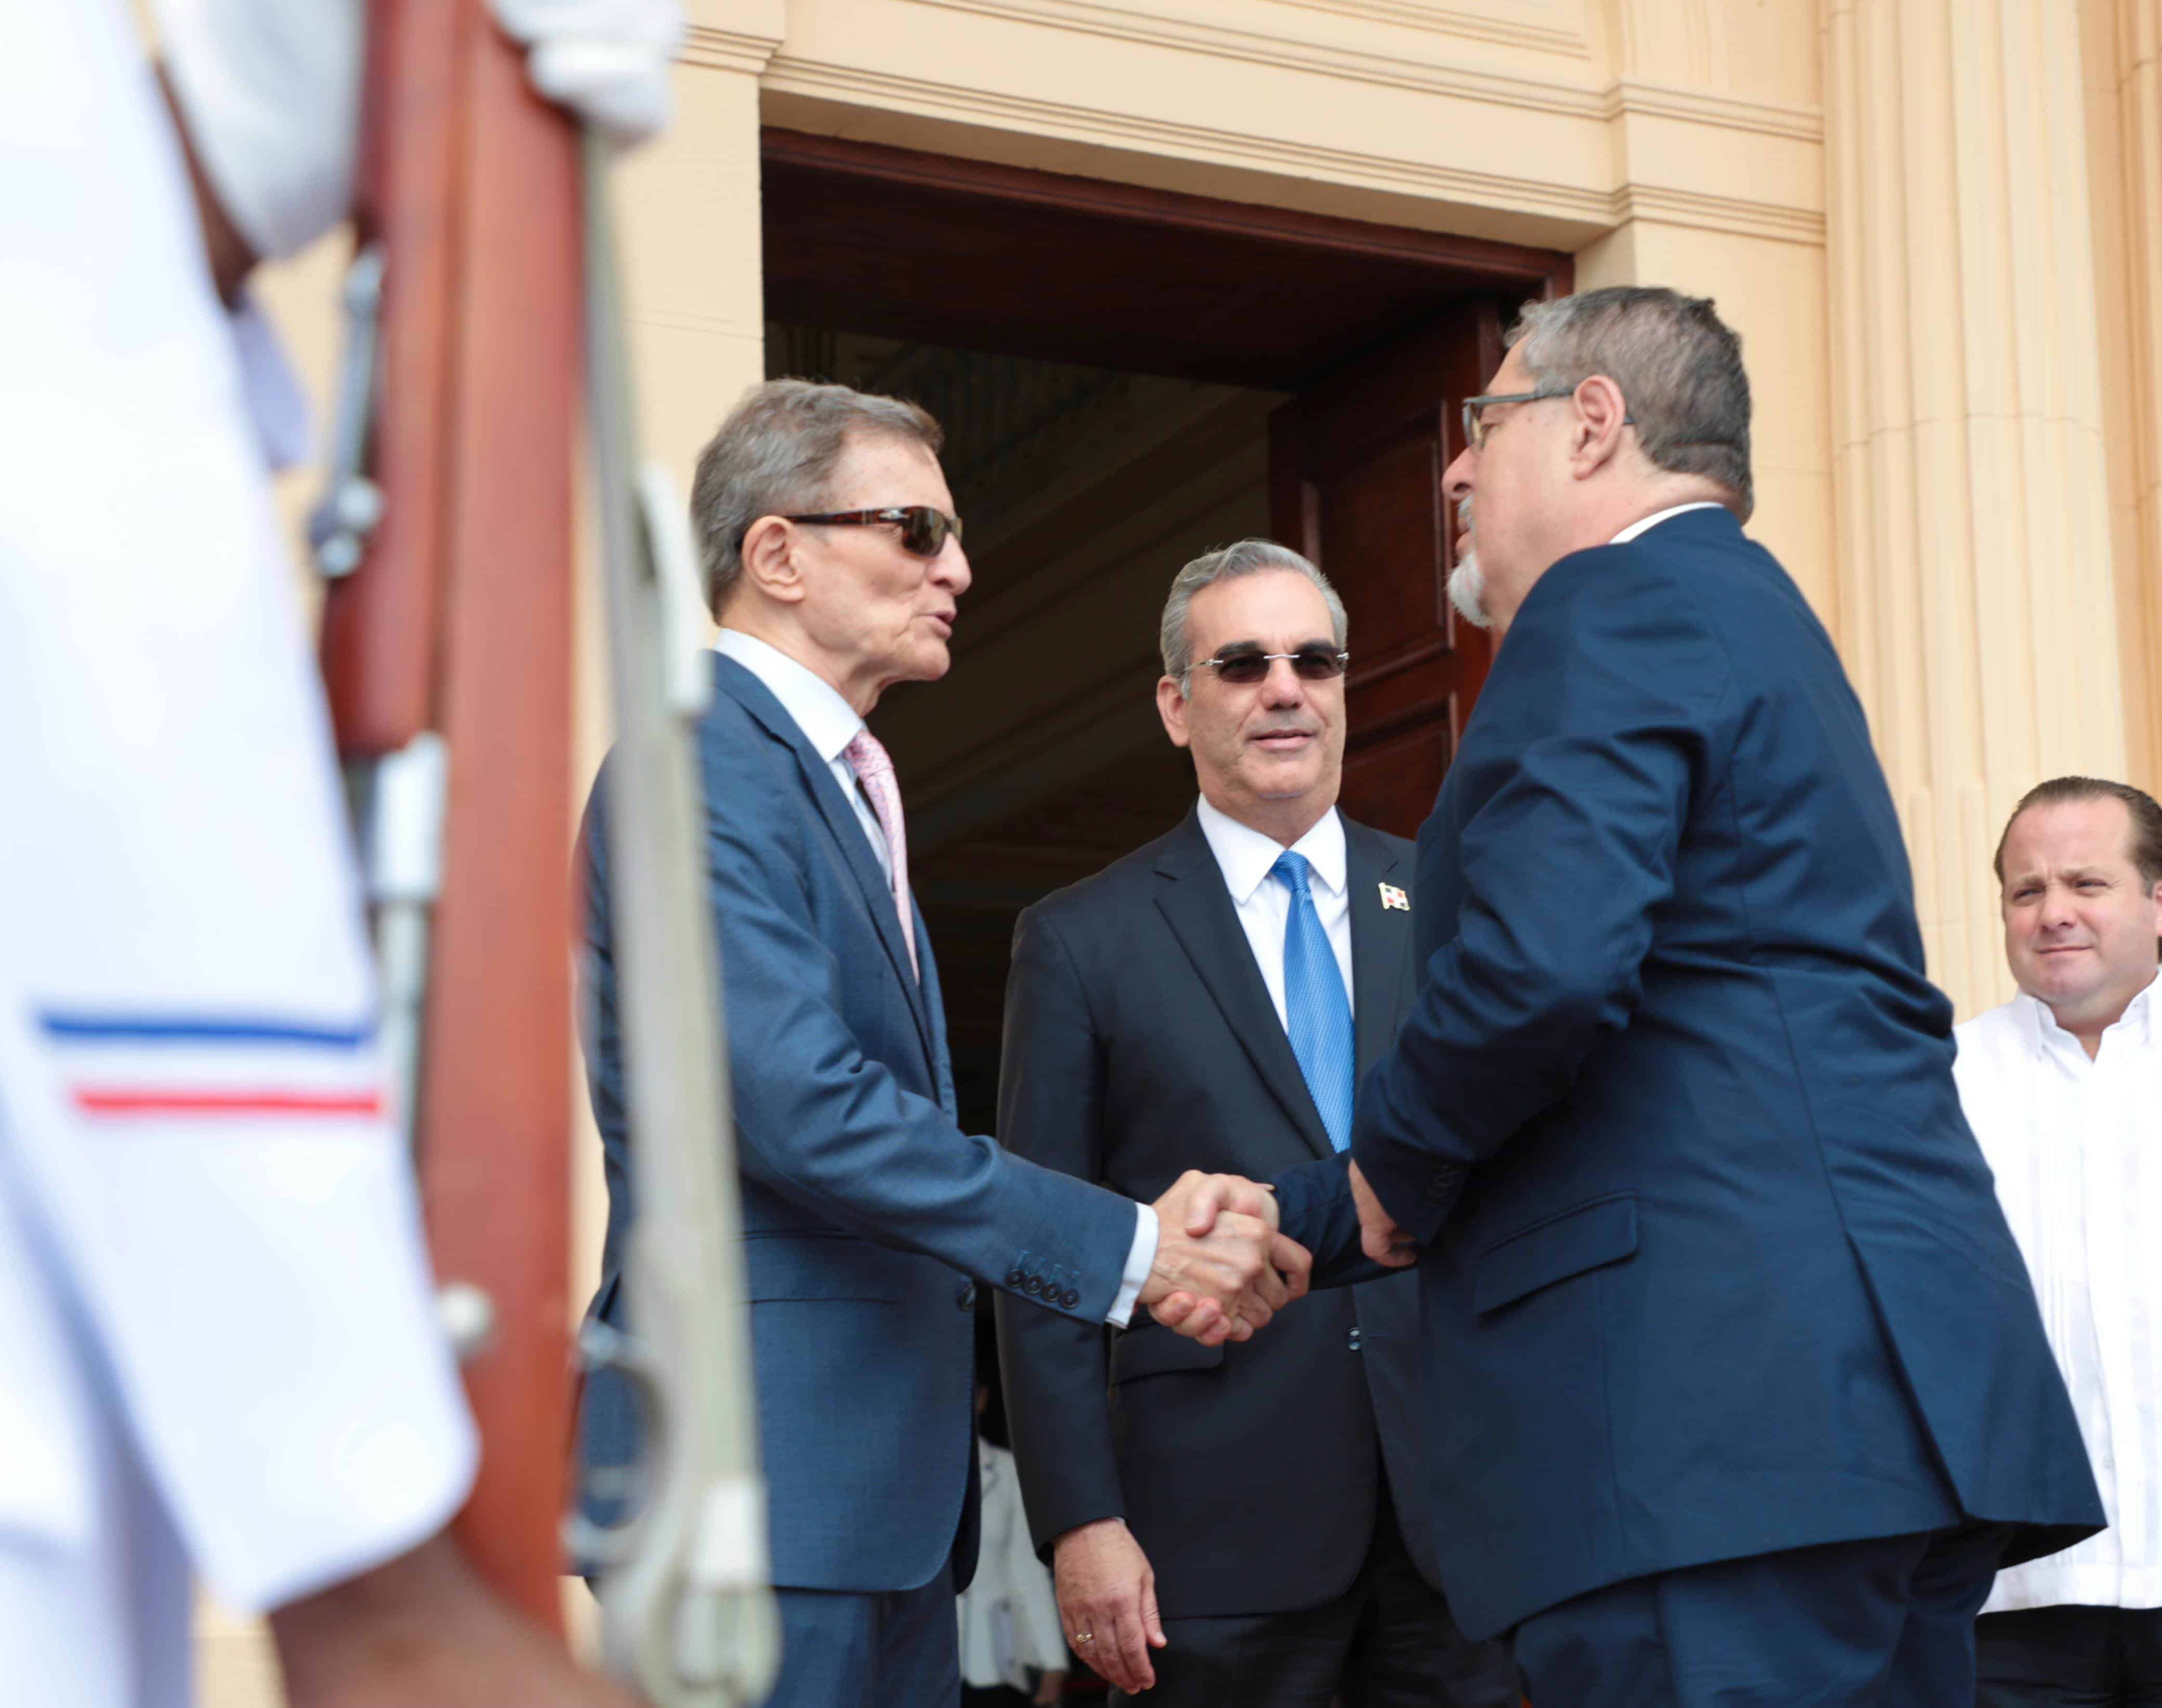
x,y
1606,694
1315,1207
826,1125
1056,1370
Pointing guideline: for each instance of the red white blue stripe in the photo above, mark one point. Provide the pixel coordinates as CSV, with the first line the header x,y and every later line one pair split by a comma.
x,y
142,1065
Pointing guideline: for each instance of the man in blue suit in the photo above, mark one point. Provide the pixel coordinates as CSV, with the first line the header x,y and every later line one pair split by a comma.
x,y
1738,1393
835,566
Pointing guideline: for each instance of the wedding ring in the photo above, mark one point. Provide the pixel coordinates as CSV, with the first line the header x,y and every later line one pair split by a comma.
x,y
1084,1637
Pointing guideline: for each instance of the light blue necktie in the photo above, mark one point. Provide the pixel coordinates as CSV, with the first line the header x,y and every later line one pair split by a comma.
x,y
1317,1013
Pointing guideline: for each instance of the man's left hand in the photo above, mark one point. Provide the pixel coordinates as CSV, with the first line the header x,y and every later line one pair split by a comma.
x,y
1379,1236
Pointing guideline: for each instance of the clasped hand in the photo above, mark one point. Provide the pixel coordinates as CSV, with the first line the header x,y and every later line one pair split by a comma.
x,y
1221,1269
1224,1203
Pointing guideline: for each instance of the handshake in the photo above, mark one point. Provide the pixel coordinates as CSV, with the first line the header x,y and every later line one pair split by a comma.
x,y
1222,1270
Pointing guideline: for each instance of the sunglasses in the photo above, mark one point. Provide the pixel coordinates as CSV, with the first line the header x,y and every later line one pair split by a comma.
x,y
1244,667
924,531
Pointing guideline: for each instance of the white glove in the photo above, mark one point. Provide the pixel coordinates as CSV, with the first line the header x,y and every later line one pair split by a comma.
x,y
605,60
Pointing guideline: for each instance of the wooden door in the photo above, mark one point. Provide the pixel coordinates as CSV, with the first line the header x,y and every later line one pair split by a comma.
x,y
1354,475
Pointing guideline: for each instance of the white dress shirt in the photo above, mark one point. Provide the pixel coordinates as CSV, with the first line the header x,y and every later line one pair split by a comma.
x,y
2076,1148
1652,521
1246,856
830,723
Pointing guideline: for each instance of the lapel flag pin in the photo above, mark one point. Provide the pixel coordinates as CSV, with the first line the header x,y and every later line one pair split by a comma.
x,y
1391,897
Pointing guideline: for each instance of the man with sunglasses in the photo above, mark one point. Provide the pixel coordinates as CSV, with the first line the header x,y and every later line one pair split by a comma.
x,y
1207,1002
1737,1388
835,566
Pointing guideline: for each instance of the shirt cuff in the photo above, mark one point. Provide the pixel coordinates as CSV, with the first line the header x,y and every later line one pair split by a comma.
x,y
1139,1261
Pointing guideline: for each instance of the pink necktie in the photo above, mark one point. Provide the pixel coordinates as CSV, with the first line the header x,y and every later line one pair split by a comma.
x,y
874,768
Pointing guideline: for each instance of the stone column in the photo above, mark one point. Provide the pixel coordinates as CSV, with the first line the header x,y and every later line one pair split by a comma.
x,y
1976,588
2130,75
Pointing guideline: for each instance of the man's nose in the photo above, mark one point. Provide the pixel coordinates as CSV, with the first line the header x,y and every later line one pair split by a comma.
x,y
950,568
1281,686
1456,479
2056,910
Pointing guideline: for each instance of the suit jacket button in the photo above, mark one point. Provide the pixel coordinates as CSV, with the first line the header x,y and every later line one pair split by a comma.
x,y
1033,1287
1015,1279
966,1298
1352,1339
1069,1298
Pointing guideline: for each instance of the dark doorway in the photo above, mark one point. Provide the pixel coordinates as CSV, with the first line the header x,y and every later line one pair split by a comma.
x,y
1128,377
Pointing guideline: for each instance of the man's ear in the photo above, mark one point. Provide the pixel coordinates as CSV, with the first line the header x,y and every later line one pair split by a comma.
x,y
1601,414
1171,707
770,560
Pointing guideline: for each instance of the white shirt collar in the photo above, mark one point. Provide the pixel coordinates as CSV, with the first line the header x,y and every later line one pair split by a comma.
x,y
1247,855
2044,1034
1656,517
828,722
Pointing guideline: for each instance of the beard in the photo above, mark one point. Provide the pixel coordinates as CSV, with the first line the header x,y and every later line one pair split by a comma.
x,y
1467,582
1467,591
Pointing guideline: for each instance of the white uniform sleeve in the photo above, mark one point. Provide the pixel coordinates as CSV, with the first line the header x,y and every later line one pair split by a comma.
x,y
270,91
259,1290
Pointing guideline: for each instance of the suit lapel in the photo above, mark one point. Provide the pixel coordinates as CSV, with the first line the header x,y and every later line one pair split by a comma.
x,y
1380,942
1198,910
847,831
934,1005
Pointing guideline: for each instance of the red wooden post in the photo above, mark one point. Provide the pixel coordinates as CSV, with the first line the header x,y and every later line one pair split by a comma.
x,y
460,621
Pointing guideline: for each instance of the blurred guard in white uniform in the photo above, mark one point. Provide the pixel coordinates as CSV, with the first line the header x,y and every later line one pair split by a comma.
x,y
216,1325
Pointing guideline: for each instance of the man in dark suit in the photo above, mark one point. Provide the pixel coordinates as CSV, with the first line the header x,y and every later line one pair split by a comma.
x,y
1206,1002
869,1216
1736,1387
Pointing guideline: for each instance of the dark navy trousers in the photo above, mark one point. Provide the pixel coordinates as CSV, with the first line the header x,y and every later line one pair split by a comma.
x,y
901,1650
1879,1624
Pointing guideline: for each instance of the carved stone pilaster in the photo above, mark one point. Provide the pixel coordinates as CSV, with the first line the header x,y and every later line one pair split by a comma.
x,y
1976,589
2136,76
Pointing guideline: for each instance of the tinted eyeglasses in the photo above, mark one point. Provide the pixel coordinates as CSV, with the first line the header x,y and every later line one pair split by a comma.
x,y
924,531
1243,666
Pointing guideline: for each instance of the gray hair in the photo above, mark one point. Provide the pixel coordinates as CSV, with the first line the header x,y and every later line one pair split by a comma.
x,y
776,454
1678,366
1228,563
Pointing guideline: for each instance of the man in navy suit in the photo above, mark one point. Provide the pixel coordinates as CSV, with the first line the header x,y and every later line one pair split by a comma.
x,y
835,567
1738,1392
1207,1001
